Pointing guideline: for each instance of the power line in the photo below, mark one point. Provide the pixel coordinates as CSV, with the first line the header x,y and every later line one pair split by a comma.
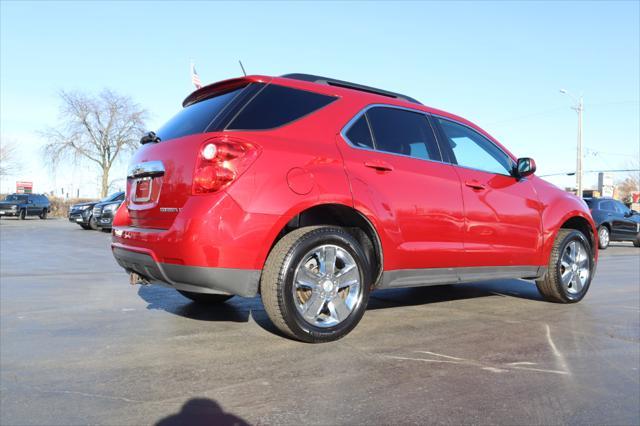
x,y
591,171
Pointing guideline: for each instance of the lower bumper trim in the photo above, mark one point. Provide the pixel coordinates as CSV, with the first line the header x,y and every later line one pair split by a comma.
x,y
241,282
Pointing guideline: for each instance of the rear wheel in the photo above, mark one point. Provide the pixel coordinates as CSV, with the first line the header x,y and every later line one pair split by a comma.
x,y
315,283
43,214
206,298
570,268
603,237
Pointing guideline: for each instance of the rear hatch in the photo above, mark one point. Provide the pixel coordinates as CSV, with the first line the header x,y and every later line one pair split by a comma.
x,y
159,181
160,176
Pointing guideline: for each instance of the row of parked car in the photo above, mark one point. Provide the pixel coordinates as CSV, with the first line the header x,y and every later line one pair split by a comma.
x,y
96,214
615,221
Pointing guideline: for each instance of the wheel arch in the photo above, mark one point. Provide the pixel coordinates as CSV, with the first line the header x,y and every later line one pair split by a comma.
x,y
580,221
331,213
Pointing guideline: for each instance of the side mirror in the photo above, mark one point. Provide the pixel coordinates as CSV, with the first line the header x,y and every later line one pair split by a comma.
x,y
525,167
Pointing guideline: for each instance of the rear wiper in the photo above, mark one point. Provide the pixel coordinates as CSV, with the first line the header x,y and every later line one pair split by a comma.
x,y
149,137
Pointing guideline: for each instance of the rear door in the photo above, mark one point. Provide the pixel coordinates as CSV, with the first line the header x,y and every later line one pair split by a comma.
x,y
395,170
502,214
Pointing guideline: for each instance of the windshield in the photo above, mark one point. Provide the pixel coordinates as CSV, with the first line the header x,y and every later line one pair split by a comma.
x,y
111,197
14,197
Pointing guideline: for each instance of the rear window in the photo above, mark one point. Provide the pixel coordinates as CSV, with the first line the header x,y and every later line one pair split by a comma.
x,y
276,106
196,118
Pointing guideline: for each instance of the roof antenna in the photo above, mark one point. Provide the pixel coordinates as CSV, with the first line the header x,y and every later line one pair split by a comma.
x,y
241,66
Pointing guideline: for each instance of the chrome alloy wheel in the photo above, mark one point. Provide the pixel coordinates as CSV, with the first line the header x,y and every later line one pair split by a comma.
x,y
574,267
604,237
326,286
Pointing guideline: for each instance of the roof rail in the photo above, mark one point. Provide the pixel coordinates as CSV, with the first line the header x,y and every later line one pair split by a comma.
x,y
341,83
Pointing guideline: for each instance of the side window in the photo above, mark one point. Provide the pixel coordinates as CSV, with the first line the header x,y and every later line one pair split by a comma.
x,y
621,208
276,106
607,206
359,134
473,150
403,132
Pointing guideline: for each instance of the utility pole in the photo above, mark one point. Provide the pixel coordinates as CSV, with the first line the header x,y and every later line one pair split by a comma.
x,y
579,108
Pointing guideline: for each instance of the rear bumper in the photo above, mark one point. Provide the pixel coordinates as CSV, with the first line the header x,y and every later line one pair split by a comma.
x,y
241,282
212,245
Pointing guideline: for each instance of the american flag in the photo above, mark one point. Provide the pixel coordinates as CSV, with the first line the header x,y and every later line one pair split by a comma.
x,y
195,78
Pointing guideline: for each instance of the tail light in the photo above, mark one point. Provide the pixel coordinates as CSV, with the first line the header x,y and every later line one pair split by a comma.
x,y
220,161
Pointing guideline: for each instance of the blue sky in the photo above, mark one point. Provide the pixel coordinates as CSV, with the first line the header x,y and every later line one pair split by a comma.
x,y
498,64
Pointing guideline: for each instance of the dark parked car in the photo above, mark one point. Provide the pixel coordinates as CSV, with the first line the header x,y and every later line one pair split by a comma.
x,y
23,205
615,221
103,212
82,213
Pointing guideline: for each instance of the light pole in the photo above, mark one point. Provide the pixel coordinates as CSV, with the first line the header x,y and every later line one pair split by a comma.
x,y
578,107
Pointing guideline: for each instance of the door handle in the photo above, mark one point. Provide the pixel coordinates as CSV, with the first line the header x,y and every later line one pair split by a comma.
x,y
381,166
474,184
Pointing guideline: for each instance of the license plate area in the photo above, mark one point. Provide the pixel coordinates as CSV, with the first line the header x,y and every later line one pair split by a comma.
x,y
142,190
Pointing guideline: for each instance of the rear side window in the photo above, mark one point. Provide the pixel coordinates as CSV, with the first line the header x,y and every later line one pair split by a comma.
x,y
359,134
276,106
403,132
196,118
608,206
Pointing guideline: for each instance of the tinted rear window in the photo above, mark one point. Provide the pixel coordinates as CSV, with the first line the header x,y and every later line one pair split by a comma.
x,y
276,106
359,134
196,118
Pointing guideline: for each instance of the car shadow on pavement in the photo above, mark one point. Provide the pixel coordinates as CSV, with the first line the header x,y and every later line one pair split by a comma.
x,y
240,309
202,412
389,298
169,300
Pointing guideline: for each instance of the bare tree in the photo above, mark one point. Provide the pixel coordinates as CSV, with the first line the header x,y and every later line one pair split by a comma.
x,y
8,158
97,129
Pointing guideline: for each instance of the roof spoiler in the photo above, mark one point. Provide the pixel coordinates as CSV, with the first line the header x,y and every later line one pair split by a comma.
x,y
222,86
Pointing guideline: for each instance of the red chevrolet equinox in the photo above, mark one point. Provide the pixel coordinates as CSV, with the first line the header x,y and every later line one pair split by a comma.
x,y
313,192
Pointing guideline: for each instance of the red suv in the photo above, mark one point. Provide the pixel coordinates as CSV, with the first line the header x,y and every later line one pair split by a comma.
x,y
312,192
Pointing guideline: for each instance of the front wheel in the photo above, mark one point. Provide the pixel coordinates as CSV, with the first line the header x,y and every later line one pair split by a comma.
x,y
315,283
206,298
92,223
603,237
570,269
23,214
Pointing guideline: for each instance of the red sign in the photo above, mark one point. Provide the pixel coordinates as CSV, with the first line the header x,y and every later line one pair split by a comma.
x,y
24,187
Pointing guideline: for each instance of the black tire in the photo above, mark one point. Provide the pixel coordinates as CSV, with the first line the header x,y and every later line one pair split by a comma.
x,y
23,214
43,214
85,227
603,241
551,287
92,224
206,298
278,275
636,243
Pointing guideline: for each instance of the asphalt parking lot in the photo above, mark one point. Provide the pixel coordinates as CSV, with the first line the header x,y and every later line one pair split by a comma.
x,y
79,345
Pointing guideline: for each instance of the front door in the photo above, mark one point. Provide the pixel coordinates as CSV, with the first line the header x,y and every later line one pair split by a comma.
x,y
502,213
